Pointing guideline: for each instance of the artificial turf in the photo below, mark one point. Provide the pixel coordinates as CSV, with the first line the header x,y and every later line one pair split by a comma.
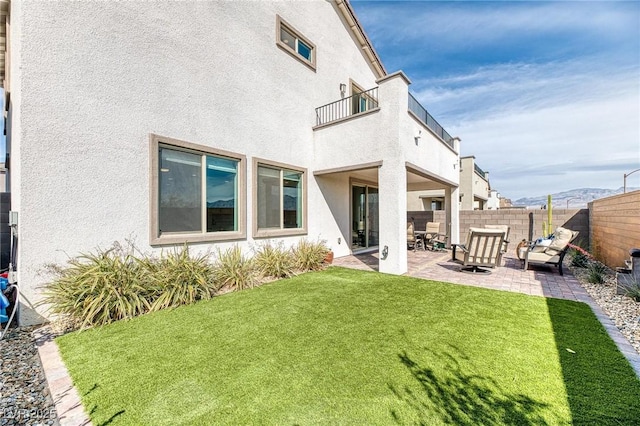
x,y
351,347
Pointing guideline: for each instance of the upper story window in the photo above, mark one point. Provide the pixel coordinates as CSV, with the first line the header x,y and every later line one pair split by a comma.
x,y
198,193
291,41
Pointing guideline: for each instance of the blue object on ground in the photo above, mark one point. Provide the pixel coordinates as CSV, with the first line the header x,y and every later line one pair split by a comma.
x,y
4,304
4,283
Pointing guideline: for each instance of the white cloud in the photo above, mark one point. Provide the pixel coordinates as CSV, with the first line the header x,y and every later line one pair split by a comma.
x,y
574,144
546,95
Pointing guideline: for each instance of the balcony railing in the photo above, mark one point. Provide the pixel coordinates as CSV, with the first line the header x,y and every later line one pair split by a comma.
x,y
428,120
352,105
480,171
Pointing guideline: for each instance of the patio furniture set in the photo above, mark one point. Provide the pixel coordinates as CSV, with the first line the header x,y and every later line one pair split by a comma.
x,y
486,246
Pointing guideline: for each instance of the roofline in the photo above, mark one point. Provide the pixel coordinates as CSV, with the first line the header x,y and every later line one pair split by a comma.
x,y
365,43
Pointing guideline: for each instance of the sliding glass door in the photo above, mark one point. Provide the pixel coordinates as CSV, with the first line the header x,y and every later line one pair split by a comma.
x,y
364,216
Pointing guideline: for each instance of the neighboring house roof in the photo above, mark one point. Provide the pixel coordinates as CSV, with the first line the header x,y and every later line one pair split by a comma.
x,y
363,40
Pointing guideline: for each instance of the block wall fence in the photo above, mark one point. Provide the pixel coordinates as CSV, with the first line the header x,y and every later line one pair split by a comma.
x,y
517,219
615,227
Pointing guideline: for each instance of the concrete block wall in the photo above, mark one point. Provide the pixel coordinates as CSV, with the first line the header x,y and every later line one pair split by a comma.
x,y
615,227
517,219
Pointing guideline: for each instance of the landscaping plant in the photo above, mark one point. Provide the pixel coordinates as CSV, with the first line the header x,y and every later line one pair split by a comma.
x,y
179,279
99,288
580,258
597,273
309,256
273,260
234,270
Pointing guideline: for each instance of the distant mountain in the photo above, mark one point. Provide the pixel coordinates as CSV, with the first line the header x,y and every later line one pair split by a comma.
x,y
576,198
290,203
222,203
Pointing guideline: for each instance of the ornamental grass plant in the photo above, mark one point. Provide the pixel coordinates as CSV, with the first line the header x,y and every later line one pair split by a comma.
x,y
309,255
274,260
234,270
177,278
99,288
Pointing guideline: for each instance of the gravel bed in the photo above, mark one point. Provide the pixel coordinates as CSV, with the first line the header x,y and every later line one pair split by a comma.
x,y
623,310
24,394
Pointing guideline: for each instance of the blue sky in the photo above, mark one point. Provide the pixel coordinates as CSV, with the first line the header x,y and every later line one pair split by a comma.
x,y
545,95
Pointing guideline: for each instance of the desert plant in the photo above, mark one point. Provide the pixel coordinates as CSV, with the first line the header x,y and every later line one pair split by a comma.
x,y
98,288
633,291
309,256
579,260
234,270
273,260
176,278
597,273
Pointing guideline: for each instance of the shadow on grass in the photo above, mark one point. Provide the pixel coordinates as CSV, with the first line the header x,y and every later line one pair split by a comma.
x,y
601,386
454,394
95,408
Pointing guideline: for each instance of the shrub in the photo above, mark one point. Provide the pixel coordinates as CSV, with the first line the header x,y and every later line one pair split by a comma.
x,y
309,256
179,279
634,292
579,260
274,261
97,289
234,270
597,273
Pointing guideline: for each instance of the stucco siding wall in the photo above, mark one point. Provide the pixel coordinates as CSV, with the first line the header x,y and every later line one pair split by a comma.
x,y
615,227
95,78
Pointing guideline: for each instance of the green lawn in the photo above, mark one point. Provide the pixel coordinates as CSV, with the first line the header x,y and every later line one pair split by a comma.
x,y
356,348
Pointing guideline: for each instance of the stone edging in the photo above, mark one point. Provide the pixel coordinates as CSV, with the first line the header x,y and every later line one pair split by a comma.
x,y
65,396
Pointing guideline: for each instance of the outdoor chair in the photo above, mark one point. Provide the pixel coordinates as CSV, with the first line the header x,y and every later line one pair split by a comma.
x,y
432,236
505,242
552,253
412,240
482,250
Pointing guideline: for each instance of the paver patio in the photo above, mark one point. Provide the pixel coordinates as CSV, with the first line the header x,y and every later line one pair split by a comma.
x,y
537,281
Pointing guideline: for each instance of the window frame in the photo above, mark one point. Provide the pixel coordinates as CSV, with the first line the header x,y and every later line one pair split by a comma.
x,y
282,231
155,236
281,23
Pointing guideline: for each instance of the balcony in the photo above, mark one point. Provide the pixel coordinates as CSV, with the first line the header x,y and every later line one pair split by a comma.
x,y
421,114
342,109
480,172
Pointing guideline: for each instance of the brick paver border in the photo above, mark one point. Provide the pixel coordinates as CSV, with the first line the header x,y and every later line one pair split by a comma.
x,y
65,396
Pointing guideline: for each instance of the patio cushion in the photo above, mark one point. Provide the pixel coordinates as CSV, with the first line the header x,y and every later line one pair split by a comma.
x,y
562,236
543,257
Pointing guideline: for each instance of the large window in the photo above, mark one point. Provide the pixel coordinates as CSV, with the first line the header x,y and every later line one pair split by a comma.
x,y
197,193
279,200
295,43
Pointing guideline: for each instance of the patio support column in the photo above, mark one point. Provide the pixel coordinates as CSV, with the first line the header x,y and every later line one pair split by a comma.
x,y
452,214
392,192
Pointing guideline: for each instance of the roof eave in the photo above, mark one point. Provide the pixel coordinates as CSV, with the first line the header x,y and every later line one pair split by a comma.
x,y
363,40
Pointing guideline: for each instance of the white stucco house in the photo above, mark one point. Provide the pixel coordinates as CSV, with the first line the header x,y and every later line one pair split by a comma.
x,y
474,192
212,124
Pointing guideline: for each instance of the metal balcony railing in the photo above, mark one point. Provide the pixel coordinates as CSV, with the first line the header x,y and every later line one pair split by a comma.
x,y
352,105
480,171
428,120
